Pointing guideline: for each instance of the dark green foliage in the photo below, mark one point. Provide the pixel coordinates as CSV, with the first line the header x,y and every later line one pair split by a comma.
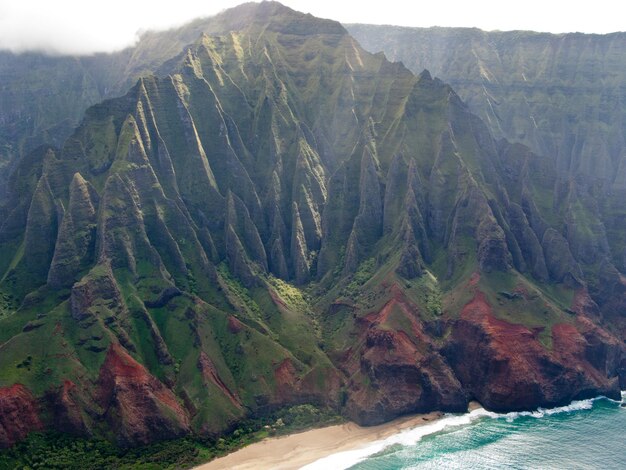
x,y
64,452
305,416
58,451
363,274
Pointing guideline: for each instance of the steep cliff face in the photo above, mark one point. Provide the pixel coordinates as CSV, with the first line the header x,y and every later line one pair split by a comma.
x,y
137,405
19,414
505,366
282,217
395,366
44,96
560,94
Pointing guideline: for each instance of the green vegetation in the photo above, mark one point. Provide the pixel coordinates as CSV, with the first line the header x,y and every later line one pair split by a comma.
x,y
426,292
239,293
6,304
61,451
363,274
434,302
522,85
516,300
293,296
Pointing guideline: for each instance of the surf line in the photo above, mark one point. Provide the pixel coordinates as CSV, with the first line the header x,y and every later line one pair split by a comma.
x,y
346,459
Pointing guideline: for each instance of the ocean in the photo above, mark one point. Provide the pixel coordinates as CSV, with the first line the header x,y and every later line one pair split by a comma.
x,y
586,434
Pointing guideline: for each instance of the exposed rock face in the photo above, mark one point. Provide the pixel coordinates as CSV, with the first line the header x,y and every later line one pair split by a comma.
x,y
529,245
39,235
137,405
238,220
299,252
493,252
69,409
504,366
611,292
411,263
406,373
18,414
210,373
98,289
368,223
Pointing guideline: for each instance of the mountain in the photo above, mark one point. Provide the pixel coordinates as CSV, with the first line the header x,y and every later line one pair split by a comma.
x,y
43,97
562,95
280,217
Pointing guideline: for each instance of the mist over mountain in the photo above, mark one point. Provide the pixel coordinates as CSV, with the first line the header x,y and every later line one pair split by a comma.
x,y
254,212
562,95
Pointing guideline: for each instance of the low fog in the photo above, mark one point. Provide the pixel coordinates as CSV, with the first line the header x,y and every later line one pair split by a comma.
x,y
84,27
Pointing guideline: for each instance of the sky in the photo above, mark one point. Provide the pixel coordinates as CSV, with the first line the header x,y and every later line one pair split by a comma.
x,y
87,26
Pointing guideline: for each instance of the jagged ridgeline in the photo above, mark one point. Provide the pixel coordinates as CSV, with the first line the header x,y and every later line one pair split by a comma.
x,y
561,94
281,217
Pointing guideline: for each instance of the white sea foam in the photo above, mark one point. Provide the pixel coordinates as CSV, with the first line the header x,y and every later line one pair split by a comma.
x,y
577,405
346,459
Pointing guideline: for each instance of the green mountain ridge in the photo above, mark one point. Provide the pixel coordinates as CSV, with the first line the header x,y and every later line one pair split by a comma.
x,y
560,94
279,217
44,97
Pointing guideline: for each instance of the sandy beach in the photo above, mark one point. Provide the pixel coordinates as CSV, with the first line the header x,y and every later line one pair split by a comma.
x,y
296,450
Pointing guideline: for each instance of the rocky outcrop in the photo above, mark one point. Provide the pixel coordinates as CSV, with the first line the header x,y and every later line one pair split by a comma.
x,y
411,264
19,414
493,252
609,294
138,406
76,241
122,237
530,246
299,251
71,411
504,366
368,223
238,261
309,183
98,288
277,255
403,370
238,219
39,235
561,265
405,208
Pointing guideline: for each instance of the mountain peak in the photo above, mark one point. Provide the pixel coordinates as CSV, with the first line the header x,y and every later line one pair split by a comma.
x,y
277,17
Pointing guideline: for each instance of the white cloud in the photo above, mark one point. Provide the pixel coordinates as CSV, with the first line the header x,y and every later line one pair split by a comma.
x,y
81,27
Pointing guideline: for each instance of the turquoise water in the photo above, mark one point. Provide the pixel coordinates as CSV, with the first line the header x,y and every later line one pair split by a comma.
x,y
587,434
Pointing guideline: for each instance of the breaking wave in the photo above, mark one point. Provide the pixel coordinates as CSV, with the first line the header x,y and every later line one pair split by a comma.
x,y
409,437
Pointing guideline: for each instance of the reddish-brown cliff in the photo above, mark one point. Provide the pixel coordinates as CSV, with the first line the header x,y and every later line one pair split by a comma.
x,y
18,414
505,366
136,403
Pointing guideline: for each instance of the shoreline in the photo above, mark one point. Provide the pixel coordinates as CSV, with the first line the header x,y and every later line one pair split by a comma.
x,y
294,451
